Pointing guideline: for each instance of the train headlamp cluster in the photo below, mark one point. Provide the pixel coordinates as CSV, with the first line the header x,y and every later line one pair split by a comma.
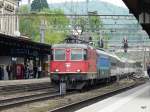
x,y
78,70
57,70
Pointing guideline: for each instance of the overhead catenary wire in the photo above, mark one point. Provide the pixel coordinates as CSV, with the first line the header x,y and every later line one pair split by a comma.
x,y
54,14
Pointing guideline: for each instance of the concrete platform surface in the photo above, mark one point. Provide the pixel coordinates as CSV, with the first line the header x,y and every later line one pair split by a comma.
x,y
134,100
23,81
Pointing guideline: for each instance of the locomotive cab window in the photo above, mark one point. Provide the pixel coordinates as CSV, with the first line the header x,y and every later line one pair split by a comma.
x,y
59,54
85,54
52,56
76,54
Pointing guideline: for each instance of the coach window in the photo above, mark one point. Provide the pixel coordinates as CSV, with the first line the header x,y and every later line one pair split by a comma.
x,y
76,54
59,54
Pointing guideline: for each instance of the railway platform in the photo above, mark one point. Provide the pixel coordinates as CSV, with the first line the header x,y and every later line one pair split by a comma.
x,y
24,81
133,100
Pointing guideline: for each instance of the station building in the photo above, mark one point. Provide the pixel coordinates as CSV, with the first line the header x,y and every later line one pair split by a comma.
x,y
18,53
9,24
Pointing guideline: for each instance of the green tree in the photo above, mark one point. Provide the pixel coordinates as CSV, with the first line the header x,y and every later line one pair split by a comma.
x,y
55,25
39,5
82,23
23,9
95,22
59,20
26,26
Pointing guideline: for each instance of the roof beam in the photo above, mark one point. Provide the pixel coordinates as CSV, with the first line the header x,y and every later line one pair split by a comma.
x,y
141,10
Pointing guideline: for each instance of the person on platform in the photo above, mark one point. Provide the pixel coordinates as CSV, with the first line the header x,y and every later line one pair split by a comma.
x,y
148,70
39,71
125,44
5,73
9,70
1,73
27,71
35,71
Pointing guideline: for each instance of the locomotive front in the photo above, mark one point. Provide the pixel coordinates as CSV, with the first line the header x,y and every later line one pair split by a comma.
x,y
68,62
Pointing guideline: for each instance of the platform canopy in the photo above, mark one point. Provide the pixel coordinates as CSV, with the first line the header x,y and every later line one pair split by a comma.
x,y
18,46
141,10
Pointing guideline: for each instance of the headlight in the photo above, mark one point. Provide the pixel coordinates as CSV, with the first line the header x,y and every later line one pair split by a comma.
x,y
78,70
57,70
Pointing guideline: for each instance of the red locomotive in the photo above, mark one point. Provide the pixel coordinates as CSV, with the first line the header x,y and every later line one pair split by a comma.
x,y
72,62
80,64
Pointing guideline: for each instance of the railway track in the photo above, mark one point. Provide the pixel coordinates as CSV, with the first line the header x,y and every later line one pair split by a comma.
x,y
12,89
90,100
13,102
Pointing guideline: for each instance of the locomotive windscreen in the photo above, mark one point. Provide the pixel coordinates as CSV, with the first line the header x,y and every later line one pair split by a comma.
x,y
76,54
59,54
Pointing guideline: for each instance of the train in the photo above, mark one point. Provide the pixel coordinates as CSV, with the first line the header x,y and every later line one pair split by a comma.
x,y
80,65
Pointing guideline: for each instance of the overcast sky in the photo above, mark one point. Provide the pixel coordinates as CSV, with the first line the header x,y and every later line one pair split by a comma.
x,y
115,2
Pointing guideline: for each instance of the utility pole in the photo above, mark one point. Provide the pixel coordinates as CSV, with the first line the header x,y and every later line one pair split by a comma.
x,y
87,6
29,2
29,5
144,60
17,19
42,31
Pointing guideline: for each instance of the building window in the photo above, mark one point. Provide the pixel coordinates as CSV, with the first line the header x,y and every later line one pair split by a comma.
x,y
8,24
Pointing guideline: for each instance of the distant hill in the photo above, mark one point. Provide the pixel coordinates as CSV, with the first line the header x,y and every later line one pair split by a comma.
x,y
103,8
94,5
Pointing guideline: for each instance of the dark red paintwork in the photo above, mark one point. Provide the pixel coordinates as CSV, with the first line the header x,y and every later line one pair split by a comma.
x,y
69,66
80,66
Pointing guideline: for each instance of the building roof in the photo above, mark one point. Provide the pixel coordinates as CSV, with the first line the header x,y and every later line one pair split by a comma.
x,y
7,41
70,46
137,7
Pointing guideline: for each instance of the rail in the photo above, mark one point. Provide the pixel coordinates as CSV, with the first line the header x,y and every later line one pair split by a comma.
x,y
82,103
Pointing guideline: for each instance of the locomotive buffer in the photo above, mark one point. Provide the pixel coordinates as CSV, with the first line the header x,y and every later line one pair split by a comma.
x,y
62,88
